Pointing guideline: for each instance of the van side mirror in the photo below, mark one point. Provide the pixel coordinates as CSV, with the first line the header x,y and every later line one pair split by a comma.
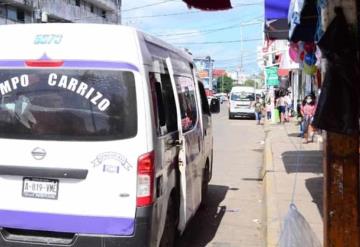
x,y
214,105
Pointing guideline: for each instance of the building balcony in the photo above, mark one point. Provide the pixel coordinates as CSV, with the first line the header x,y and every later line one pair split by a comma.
x,y
62,10
109,5
72,13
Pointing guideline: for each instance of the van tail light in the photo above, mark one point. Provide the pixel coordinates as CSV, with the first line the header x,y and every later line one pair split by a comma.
x,y
44,63
145,180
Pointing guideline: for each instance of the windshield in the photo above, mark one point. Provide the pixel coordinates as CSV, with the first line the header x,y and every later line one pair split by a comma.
x,y
242,96
67,104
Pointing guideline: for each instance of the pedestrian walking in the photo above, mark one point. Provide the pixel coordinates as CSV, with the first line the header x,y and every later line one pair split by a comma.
x,y
281,105
268,110
308,111
259,107
288,106
300,117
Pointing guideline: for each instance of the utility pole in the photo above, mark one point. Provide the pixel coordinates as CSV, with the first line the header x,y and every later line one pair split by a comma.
x,y
341,167
118,12
222,83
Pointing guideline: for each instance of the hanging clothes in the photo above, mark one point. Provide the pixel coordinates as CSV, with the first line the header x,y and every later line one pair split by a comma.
x,y
338,105
209,5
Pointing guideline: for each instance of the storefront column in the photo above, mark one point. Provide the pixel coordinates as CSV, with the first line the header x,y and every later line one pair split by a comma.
x,y
341,166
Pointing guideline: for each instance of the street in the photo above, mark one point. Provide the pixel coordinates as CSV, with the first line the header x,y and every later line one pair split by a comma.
x,y
233,213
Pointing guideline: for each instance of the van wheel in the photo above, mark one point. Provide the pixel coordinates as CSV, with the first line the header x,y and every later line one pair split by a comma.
x,y
230,116
170,233
204,185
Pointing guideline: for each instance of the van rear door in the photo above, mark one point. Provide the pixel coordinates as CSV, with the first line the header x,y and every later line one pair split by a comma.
x,y
182,155
68,162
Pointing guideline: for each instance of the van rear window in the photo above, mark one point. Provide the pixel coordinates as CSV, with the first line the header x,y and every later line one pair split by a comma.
x,y
67,104
242,96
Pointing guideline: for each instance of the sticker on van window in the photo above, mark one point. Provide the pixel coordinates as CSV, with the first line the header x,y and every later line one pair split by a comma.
x,y
81,88
111,162
60,81
185,84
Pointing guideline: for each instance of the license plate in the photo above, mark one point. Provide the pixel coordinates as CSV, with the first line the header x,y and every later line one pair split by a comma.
x,y
40,188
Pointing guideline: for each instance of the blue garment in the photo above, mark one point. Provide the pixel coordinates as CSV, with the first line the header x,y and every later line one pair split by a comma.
x,y
258,116
302,129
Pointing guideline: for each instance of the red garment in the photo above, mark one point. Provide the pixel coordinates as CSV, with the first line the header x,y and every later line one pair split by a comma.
x,y
308,110
210,5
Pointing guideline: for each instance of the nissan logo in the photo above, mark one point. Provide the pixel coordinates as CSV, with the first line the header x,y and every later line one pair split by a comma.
x,y
38,153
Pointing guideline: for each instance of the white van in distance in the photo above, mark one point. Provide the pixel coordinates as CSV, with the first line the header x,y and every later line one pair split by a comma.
x,y
105,137
241,100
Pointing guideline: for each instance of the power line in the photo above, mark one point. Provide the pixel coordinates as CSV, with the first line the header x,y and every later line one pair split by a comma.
x,y
236,20
179,13
217,42
231,60
235,65
148,5
209,30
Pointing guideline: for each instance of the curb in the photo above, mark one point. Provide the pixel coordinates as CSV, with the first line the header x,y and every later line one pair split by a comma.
x,y
271,213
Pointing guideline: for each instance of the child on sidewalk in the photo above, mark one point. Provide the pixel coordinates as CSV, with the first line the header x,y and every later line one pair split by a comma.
x,y
268,109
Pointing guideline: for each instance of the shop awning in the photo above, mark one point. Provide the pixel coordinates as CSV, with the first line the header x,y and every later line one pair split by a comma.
x,y
276,9
276,29
209,5
303,16
276,19
283,72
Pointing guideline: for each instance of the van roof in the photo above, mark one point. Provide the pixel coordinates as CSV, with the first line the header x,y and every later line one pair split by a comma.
x,y
104,42
242,89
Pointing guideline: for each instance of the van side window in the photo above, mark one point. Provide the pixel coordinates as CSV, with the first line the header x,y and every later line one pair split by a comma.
x,y
158,103
204,102
186,92
163,96
169,102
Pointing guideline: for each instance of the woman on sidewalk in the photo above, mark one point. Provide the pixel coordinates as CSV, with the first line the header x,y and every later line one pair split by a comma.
x,y
308,111
259,108
300,116
281,104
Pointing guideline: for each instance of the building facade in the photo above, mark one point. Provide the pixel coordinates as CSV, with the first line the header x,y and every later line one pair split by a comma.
x,y
204,68
81,11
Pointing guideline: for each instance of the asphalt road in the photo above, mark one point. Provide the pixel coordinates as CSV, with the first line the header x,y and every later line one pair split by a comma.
x,y
233,213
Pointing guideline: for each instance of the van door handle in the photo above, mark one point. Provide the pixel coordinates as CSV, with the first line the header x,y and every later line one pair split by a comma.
x,y
173,143
43,172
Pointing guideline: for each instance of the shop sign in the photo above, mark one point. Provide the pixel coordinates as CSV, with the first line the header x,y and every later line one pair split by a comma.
x,y
272,77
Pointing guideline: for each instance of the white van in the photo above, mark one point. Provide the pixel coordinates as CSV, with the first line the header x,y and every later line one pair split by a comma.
x,y
241,100
105,137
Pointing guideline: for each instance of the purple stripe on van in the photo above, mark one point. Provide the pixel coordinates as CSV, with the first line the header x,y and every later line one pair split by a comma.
x,y
66,223
12,63
75,64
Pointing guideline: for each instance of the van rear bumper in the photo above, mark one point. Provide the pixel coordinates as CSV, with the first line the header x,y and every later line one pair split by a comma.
x,y
140,238
242,114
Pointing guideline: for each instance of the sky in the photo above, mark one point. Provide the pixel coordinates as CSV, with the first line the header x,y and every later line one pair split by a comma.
x,y
225,36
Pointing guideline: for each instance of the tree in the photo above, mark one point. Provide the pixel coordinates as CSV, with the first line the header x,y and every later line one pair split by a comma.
x,y
249,83
224,84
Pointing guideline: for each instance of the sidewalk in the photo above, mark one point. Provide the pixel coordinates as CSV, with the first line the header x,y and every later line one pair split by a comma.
x,y
281,155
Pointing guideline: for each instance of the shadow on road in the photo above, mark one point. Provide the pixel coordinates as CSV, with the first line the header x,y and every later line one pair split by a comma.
x,y
203,227
315,187
294,134
309,161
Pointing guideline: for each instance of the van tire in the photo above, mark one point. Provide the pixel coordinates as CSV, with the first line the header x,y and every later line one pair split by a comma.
x,y
205,184
170,233
230,116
